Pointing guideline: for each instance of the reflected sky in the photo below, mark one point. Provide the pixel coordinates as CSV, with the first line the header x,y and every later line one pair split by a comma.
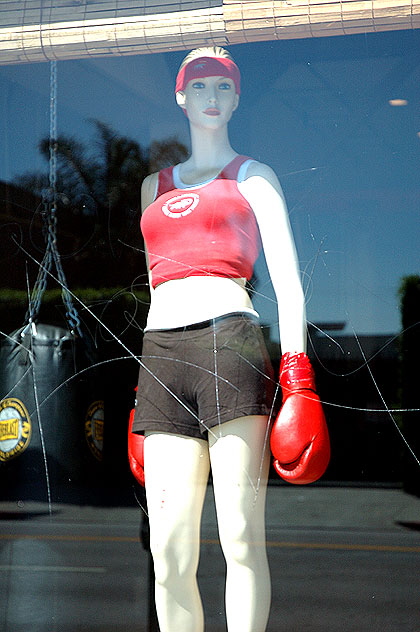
x,y
316,110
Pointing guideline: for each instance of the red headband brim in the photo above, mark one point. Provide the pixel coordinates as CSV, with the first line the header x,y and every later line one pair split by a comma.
x,y
208,67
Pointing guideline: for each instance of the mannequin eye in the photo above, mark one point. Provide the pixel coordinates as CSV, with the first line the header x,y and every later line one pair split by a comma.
x,y
198,85
225,85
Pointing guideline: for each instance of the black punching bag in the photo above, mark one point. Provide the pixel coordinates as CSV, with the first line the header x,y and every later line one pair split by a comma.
x,y
51,417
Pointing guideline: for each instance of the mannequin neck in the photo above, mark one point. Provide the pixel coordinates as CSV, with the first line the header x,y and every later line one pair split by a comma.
x,y
210,149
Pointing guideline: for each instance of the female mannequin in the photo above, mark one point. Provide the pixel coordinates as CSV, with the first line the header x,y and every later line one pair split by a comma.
x,y
187,289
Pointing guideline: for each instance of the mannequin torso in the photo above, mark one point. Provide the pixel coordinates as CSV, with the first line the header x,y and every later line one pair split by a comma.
x,y
184,301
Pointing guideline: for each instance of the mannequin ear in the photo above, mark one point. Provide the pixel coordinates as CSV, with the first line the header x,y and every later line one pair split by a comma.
x,y
180,99
236,102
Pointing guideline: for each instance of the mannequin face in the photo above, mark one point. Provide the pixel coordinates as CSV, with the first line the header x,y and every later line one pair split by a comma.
x,y
209,101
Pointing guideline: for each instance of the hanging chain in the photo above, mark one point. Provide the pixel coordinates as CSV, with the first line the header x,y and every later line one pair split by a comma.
x,y
49,215
71,313
53,132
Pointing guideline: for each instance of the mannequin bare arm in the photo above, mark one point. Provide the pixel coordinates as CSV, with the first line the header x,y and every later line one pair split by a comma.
x,y
148,190
148,194
263,191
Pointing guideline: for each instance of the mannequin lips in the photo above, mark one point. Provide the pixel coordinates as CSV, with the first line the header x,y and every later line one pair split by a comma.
x,y
212,112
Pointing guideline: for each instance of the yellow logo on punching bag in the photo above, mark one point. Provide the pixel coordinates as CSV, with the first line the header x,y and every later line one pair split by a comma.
x,y
15,428
94,428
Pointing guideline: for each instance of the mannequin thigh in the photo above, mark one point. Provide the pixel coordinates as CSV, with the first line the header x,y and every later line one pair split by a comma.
x,y
176,471
240,458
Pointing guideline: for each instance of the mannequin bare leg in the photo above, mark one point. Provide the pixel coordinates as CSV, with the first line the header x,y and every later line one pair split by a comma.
x,y
175,497
240,461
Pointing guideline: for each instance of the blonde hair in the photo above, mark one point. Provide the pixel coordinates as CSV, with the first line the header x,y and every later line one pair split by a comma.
x,y
206,51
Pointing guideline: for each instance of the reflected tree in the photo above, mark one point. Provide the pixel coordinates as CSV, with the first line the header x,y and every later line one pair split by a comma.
x,y
164,153
98,202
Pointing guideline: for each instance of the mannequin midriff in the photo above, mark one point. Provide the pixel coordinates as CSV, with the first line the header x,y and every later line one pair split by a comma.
x,y
183,302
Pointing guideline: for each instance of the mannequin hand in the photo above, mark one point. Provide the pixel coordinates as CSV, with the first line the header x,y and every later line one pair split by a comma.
x,y
299,438
135,452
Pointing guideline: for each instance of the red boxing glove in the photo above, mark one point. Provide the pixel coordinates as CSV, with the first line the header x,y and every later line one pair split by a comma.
x,y
299,438
135,451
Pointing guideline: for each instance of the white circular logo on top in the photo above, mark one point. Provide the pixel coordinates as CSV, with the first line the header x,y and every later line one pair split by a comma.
x,y
181,205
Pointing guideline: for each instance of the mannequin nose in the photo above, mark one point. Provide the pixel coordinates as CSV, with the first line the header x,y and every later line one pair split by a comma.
x,y
212,98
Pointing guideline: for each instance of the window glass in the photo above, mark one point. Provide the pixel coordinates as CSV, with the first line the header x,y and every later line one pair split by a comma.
x,y
337,120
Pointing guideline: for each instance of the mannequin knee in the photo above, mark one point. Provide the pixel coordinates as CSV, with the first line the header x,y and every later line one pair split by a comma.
x,y
174,562
239,542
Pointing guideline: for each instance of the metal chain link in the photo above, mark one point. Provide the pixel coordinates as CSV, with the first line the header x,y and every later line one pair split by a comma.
x,y
49,214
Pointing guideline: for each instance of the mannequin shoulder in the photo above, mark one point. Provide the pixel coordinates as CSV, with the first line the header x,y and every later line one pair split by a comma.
x,y
265,172
149,189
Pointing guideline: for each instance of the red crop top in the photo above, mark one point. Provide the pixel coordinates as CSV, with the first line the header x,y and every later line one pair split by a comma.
x,y
201,230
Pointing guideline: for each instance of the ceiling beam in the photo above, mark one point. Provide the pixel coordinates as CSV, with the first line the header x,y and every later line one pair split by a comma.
x,y
43,30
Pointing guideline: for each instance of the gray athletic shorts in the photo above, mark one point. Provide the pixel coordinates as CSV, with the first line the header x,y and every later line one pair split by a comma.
x,y
196,377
